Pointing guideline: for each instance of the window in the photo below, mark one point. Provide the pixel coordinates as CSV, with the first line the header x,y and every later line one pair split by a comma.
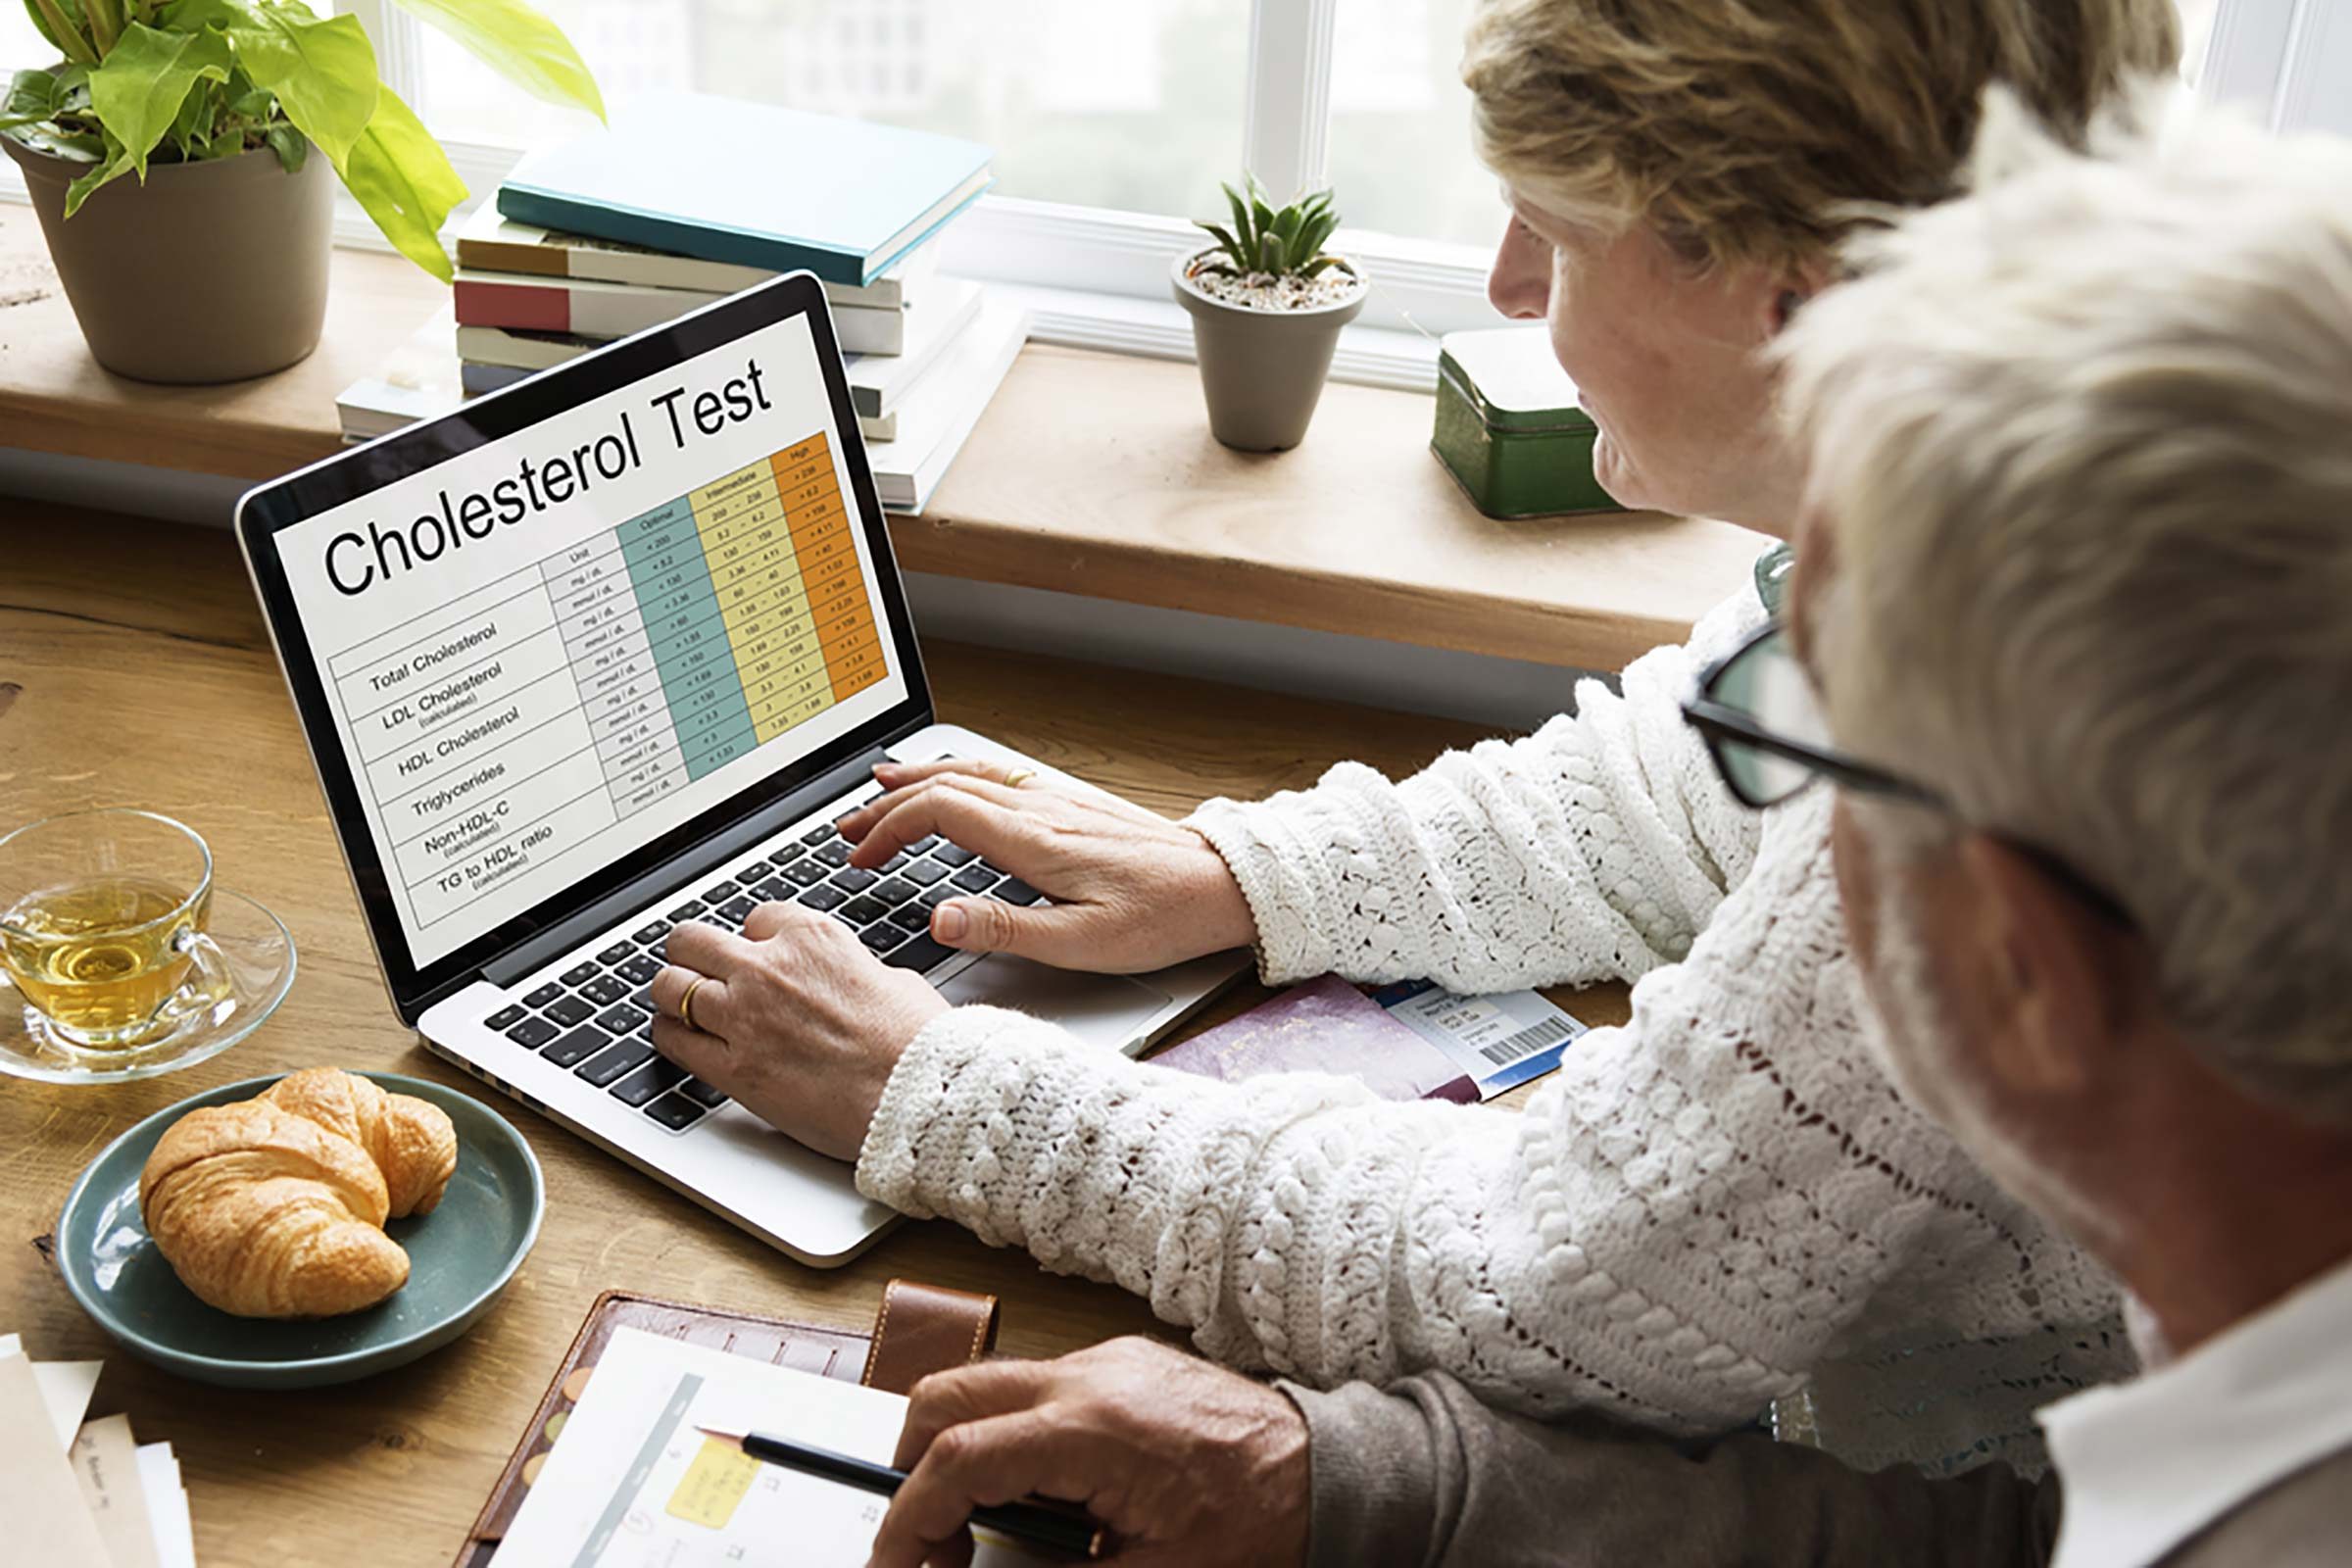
x,y
1134,106
1400,151
22,46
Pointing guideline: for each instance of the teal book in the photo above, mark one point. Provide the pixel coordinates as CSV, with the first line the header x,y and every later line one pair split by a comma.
x,y
753,184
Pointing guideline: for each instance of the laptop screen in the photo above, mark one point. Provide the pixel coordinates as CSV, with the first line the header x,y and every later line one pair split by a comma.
x,y
540,655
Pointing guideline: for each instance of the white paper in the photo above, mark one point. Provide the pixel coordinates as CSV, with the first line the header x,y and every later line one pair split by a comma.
x,y
604,1498
1499,1041
167,1505
66,1387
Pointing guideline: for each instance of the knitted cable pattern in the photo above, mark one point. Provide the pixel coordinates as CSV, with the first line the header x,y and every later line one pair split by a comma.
x,y
1697,1211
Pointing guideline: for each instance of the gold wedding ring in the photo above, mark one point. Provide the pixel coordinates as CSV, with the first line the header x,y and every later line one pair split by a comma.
x,y
1018,776
686,1001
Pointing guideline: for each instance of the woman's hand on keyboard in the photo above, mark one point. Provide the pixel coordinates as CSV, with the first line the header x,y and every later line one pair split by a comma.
x,y
793,1018
1129,891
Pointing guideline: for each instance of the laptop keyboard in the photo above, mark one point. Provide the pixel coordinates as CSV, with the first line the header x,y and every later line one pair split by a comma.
x,y
596,1017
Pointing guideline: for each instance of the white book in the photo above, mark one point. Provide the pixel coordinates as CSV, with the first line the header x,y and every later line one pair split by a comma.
x,y
945,307
500,244
631,1482
939,414
477,379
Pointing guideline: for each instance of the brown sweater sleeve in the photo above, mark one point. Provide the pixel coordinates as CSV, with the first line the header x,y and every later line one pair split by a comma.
x,y
1424,1474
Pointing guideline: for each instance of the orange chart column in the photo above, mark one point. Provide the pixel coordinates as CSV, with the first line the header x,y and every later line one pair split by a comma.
x,y
756,579
828,557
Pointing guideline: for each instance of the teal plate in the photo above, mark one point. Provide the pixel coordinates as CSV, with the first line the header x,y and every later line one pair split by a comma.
x,y
460,1256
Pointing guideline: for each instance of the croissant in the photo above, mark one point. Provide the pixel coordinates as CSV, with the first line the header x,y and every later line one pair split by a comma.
x,y
274,1206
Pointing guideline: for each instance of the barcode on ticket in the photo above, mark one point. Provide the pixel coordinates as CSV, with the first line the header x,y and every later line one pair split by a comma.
x,y
1535,1037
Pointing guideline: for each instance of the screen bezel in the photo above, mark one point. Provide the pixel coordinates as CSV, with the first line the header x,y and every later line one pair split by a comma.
x,y
269,509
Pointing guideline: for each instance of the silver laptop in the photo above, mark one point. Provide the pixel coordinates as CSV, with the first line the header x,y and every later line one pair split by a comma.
x,y
612,650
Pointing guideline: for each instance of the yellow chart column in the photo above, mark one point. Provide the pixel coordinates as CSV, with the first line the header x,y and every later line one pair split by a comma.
x,y
756,577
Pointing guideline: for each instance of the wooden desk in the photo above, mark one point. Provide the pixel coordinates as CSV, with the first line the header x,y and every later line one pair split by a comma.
x,y
133,669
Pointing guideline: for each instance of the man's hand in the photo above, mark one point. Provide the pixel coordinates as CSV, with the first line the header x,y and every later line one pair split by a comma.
x,y
1184,1463
795,1018
1131,890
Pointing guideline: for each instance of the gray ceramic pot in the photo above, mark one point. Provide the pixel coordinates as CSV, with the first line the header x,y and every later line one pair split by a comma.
x,y
210,272
1262,371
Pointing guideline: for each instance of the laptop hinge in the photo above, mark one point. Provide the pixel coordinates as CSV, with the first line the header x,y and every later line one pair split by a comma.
x,y
687,866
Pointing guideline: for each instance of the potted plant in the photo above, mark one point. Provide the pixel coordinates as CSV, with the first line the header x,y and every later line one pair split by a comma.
x,y
209,264
1267,303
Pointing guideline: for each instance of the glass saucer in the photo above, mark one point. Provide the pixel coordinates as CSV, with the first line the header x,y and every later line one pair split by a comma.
x,y
260,957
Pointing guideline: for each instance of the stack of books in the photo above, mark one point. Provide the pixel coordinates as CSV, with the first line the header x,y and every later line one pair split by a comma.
x,y
621,231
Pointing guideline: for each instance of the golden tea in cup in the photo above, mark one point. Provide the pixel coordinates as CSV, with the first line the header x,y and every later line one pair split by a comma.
x,y
102,917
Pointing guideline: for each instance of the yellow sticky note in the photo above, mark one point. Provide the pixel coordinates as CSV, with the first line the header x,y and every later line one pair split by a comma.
x,y
714,1484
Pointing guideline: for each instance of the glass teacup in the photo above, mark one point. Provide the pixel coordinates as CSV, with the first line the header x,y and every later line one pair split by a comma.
x,y
102,927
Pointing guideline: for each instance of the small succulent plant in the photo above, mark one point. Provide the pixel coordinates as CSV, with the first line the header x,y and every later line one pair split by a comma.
x,y
1288,243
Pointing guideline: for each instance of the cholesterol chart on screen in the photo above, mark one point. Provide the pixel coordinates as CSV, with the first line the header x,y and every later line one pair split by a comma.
x,y
501,730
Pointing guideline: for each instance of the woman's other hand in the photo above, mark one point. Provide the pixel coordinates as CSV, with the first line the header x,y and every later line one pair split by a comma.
x,y
1130,890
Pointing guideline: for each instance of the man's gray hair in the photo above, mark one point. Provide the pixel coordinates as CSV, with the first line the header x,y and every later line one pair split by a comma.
x,y
2085,440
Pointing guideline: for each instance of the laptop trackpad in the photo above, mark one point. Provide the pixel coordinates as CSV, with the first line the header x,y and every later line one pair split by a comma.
x,y
1102,1010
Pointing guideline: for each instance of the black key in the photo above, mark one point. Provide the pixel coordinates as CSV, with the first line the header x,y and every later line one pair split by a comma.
x,y
703,1091
952,854
621,1018
975,879
785,855
578,974
645,936
532,1033
736,908
919,954
506,1017
609,1063
896,891
676,1113
863,911
913,917
939,896
568,1010
924,845
640,969
642,999
604,989
994,866
853,879
773,887
824,899
895,863
687,910
544,995
836,853
818,834
884,936
805,873
922,874
648,1081
721,890
577,1047
753,870
617,953
1013,890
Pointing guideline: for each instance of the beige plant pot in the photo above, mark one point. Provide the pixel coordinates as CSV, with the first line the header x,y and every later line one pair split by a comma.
x,y
210,272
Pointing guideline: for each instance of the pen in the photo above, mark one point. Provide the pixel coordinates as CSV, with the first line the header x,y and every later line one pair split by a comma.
x,y
1071,1535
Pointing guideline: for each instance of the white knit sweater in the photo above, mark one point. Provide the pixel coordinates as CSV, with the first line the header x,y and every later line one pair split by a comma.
x,y
1702,1209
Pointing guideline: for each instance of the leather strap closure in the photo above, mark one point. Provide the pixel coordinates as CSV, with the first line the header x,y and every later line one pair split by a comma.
x,y
924,1328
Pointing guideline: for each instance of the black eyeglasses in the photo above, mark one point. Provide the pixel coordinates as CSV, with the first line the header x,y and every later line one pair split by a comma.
x,y
1765,729
1769,739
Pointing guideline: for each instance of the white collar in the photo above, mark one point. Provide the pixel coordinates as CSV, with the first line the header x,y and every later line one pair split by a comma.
x,y
2149,1463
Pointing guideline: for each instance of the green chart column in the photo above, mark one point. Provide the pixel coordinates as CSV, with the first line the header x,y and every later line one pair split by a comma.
x,y
688,636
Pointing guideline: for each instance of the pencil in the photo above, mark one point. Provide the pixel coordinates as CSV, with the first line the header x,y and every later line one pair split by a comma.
x,y
1070,1535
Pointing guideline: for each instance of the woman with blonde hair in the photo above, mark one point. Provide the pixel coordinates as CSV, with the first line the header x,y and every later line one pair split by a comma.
x,y
1717,1203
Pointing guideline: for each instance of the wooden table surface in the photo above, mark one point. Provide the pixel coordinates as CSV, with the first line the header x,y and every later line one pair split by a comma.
x,y
133,670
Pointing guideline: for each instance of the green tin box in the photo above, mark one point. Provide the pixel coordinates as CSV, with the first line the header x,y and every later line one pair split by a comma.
x,y
1508,428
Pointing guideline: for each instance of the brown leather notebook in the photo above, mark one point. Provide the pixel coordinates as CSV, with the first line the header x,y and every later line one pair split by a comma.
x,y
921,1329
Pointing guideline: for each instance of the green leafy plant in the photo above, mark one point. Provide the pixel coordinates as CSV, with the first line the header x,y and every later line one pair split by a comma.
x,y
1285,244
155,81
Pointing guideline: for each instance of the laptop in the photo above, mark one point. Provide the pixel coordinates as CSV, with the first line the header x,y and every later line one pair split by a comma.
x,y
611,649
